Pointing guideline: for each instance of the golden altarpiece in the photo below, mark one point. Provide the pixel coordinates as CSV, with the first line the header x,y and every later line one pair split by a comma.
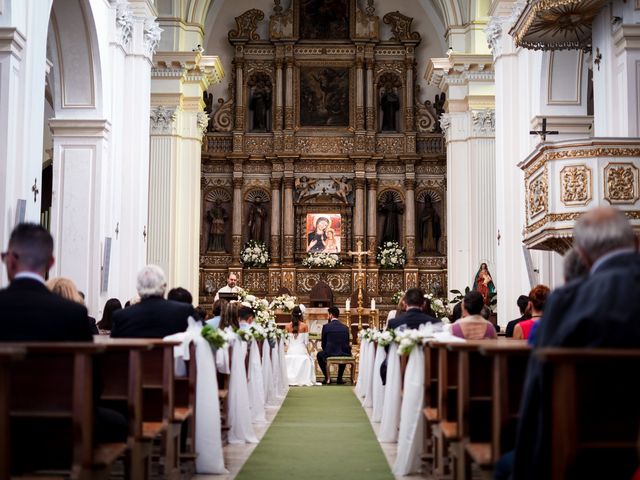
x,y
323,122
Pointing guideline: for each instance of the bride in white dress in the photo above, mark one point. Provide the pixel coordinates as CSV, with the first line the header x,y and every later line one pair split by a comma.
x,y
300,367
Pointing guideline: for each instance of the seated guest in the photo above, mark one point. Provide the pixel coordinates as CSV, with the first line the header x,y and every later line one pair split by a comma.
x,y
537,299
181,295
472,326
65,288
229,315
456,313
523,302
202,313
572,266
104,325
335,343
245,317
218,306
230,287
153,317
413,317
596,311
30,311
400,308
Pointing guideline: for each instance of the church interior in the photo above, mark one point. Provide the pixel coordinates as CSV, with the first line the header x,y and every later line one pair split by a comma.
x,y
341,152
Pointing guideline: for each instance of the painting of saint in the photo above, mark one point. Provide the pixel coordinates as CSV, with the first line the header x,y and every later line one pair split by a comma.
x,y
324,232
324,97
324,19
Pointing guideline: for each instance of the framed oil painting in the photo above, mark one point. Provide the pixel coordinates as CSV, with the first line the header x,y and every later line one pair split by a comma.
x,y
324,19
324,232
324,96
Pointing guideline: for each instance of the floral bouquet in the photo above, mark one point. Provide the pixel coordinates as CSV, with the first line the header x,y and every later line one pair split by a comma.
x,y
391,255
245,335
366,334
439,306
321,260
283,302
255,254
260,306
215,336
384,337
258,331
395,298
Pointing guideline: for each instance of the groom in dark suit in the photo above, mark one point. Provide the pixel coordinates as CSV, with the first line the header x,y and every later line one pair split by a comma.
x,y
335,343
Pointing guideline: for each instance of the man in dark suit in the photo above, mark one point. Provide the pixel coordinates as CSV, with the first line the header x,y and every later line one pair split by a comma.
x,y
335,343
522,302
153,316
412,318
600,310
29,311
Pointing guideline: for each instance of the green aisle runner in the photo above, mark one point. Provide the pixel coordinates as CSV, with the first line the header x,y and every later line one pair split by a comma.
x,y
319,433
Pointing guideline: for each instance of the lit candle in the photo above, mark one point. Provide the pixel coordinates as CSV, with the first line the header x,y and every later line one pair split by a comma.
x,y
373,304
347,305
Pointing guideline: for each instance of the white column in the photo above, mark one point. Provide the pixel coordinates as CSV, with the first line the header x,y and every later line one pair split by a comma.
x,y
80,147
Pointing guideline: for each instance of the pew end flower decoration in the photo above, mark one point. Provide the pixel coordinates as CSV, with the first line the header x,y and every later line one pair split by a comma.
x,y
391,255
439,307
218,338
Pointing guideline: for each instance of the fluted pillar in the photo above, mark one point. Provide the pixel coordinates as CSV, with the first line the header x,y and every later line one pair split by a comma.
x,y
370,112
358,221
360,88
278,97
372,185
410,220
288,221
236,227
288,109
275,220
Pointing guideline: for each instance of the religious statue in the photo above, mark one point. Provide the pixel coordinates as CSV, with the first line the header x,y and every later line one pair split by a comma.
x,y
390,104
260,103
438,105
343,188
483,283
217,217
304,186
429,227
391,210
257,219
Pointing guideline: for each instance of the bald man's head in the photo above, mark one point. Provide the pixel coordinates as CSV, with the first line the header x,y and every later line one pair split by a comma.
x,y
602,230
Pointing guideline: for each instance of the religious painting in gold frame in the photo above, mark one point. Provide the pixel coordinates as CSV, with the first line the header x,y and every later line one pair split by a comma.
x,y
324,232
324,98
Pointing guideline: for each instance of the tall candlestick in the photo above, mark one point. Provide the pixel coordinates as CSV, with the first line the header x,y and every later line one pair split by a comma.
x,y
347,305
373,304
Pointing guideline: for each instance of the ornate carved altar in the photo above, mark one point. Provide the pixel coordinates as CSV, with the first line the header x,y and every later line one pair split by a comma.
x,y
323,122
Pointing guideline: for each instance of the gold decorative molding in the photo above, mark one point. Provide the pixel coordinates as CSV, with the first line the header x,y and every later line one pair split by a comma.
x,y
575,185
621,183
538,195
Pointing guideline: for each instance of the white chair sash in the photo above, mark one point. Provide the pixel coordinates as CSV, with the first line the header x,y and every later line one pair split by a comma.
x,y
388,432
241,430
256,384
378,387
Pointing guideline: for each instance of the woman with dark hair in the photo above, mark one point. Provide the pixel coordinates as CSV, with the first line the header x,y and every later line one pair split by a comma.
x,y
300,368
537,299
104,325
316,239
472,326
218,307
229,316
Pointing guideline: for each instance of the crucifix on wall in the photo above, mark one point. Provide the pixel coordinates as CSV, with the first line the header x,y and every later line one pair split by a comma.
x,y
544,132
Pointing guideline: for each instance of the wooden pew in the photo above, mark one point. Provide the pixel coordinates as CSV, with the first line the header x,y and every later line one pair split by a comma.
x,y
445,432
8,355
121,373
185,410
487,439
51,412
430,411
595,414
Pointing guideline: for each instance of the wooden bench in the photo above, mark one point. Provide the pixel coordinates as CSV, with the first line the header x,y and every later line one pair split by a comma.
x,y
8,355
51,412
595,418
430,410
341,361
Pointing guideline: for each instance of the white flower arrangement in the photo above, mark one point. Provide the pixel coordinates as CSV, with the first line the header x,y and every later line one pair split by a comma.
x,y
391,255
366,334
439,306
262,314
285,302
255,254
385,337
321,260
395,298
408,338
217,337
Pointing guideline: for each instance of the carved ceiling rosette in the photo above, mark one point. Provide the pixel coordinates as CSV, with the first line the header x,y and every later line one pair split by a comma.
x,y
575,185
621,183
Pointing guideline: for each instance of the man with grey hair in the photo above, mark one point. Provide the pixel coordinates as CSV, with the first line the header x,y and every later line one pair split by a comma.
x,y
153,316
600,309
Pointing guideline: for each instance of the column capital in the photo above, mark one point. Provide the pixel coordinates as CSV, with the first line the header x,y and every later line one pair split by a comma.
x,y
359,183
80,127
373,184
275,183
12,40
409,183
289,182
238,182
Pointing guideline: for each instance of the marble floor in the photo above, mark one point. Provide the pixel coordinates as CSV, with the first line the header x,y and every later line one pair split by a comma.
x,y
236,455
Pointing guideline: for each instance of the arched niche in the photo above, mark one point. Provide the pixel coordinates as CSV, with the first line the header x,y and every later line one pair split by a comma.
x,y
257,215
217,212
430,221
391,210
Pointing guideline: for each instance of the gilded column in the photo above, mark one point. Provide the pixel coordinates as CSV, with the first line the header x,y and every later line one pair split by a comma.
x,y
278,110
275,220
370,98
358,223
288,109
288,221
236,229
410,220
372,184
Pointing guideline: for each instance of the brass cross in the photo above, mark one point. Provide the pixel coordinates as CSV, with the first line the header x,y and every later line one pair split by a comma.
x,y
359,253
